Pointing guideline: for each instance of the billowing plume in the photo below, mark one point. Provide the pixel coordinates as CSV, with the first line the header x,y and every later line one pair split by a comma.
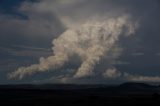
x,y
90,42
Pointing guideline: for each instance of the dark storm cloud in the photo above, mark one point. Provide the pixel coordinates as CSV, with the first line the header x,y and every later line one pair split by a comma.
x,y
38,28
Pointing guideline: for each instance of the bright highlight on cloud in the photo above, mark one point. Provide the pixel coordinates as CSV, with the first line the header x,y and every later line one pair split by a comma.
x,y
91,42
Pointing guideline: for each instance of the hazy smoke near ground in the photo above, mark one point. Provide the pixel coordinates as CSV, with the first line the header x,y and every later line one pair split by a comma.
x,y
90,42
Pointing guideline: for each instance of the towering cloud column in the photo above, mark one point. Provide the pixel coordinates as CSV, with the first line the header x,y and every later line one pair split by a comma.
x,y
90,42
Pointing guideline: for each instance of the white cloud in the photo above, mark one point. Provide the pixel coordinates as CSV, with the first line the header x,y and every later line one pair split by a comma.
x,y
91,42
112,73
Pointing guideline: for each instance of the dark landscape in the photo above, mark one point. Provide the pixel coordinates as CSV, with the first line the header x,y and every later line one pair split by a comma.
x,y
68,94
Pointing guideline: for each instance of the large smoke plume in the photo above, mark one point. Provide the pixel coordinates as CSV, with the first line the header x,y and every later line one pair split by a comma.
x,y
90,42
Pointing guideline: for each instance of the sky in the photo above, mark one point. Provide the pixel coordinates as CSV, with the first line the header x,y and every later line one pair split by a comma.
x,y
79,41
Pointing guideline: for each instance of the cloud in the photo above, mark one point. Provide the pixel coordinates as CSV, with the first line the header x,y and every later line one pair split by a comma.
x,y
141,78
158,54
90,42
35,24
25,51
121,63
112,73
137,54
29,26
30,47
56,79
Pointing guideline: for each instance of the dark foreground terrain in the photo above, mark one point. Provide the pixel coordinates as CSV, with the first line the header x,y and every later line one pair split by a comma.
x,y
41,95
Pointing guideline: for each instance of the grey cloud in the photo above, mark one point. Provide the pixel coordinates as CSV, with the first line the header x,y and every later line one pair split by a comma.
x,y
25,51
138,54
142,78
38,28
158,54
31,48
118,62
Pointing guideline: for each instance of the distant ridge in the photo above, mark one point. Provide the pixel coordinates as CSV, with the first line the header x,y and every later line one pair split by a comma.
x,y
133,86
136,85
128,86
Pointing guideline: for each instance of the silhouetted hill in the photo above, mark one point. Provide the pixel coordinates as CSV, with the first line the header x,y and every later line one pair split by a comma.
x,y
129,86
52,86
70,94
133,84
